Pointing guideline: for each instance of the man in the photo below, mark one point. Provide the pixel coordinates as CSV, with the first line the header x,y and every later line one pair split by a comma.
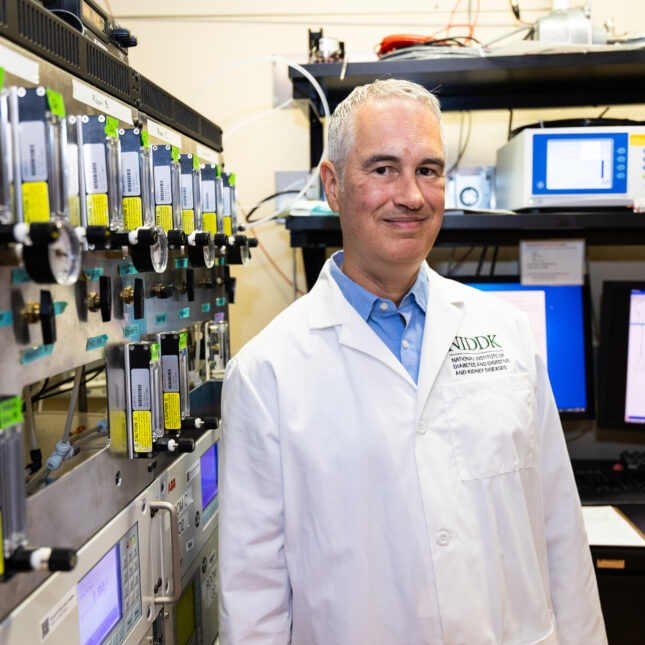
x,y
394,469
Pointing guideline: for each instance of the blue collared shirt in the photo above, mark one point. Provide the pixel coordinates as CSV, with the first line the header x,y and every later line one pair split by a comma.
x,y
400,329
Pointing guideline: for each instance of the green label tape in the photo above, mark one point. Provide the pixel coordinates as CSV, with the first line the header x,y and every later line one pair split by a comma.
x,y
34,353
154,352
174,151
127,269
19,275
144,139
59,307
206,307
220,302
195,162
1,77
231,179
160,319
130,330
111,127
185,312
183,339
10,412
95,342
181,263
6,318
93,274
56,104
219,171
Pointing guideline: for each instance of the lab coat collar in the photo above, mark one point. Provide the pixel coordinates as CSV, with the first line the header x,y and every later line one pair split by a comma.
x,y
329,308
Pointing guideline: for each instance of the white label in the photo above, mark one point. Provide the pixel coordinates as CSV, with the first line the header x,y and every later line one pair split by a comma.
x,y
226,193
95,168
140,388
206,154
159,131
18,65
208,196
72,169
170,369
552,262
186,191
130,174
61,609
33,153
163,191
90,96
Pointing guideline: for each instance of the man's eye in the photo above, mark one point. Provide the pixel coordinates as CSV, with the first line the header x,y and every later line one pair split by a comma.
x,y
427,172
382,170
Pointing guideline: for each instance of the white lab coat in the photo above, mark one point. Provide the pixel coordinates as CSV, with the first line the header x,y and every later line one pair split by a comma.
x,y
358,508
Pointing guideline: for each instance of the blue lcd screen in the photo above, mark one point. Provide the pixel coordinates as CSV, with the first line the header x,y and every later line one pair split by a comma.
x,y
208,466
565,340
99,599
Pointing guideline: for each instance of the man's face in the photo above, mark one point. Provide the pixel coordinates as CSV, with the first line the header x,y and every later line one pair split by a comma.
x,y
391,201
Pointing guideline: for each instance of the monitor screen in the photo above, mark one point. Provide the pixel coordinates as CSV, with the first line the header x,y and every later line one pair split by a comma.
x,y
185,615
622,356
561,324
208,467
574,164
99,599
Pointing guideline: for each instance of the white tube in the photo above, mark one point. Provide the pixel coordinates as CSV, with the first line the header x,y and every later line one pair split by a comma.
x,y
72,402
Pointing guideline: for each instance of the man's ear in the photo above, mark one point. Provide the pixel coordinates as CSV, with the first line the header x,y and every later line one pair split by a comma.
x,y
331,184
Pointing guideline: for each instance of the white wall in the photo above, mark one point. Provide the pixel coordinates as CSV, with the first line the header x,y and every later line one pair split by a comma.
x,y
183,45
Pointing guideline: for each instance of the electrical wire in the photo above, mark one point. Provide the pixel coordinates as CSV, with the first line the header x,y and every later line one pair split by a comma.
x,y
319,91
451,270
493,261
56,392
265,200
481,259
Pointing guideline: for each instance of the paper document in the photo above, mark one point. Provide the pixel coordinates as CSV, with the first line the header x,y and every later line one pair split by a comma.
x,y
606,526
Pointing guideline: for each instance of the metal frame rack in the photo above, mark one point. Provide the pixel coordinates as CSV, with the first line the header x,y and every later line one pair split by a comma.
x,y
504,82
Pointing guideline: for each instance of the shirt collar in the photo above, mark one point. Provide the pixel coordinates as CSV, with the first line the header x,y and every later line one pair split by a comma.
x,y
363,300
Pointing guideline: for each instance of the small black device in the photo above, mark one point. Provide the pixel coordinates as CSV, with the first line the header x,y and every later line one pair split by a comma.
x,y
621,386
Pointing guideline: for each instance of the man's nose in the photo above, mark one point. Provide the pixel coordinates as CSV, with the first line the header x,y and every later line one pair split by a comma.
x,y
408,193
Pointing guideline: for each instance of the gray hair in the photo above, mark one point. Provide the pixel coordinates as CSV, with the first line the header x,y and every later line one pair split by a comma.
x,y
340,132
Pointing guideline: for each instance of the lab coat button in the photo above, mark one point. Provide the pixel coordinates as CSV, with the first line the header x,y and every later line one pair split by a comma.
x,y
443,537
383,306
421,429
405,344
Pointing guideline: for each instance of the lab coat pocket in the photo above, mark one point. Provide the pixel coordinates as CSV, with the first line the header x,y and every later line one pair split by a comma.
x,y
491,423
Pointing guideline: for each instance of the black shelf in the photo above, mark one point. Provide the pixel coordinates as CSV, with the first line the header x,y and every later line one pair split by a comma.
x,y
496,82
314,233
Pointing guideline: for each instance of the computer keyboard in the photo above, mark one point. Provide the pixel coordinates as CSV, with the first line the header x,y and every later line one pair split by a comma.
x,y
609,482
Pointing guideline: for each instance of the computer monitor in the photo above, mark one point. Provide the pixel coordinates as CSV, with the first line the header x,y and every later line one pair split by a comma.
x,y
560,318
621,383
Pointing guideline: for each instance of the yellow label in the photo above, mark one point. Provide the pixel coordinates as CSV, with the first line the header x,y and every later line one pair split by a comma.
x,y
1,549
97,209
75,210
210,222
610,564
35,201
228,226
637,139
118,435
188,221
172,410
164,217
142,431
132,213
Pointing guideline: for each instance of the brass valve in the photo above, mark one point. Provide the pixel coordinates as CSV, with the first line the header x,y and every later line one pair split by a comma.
x,y
127,295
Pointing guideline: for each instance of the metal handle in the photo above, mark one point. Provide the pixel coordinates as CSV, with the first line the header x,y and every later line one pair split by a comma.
x,y
174,541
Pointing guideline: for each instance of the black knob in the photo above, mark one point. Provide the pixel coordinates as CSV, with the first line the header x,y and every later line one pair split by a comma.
x,y
176,238
105,296
231,285
220,239
139,300
190,284
240,240
98,236
121,36
175,444
132,41
210,423
6,234
252,242
196,256
62,559
146,236
47,317
42,233
202,238
119,238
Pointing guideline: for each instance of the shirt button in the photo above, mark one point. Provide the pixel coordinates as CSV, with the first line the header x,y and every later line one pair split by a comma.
x,y
421,428
383,306
443,538
405,344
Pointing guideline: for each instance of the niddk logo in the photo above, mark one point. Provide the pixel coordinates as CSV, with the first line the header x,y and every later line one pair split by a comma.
x,y
474,343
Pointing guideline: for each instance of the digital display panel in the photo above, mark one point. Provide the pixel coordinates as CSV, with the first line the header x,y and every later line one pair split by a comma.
x,y
579,164
635,385
208,464
557,317
99,599
185,615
